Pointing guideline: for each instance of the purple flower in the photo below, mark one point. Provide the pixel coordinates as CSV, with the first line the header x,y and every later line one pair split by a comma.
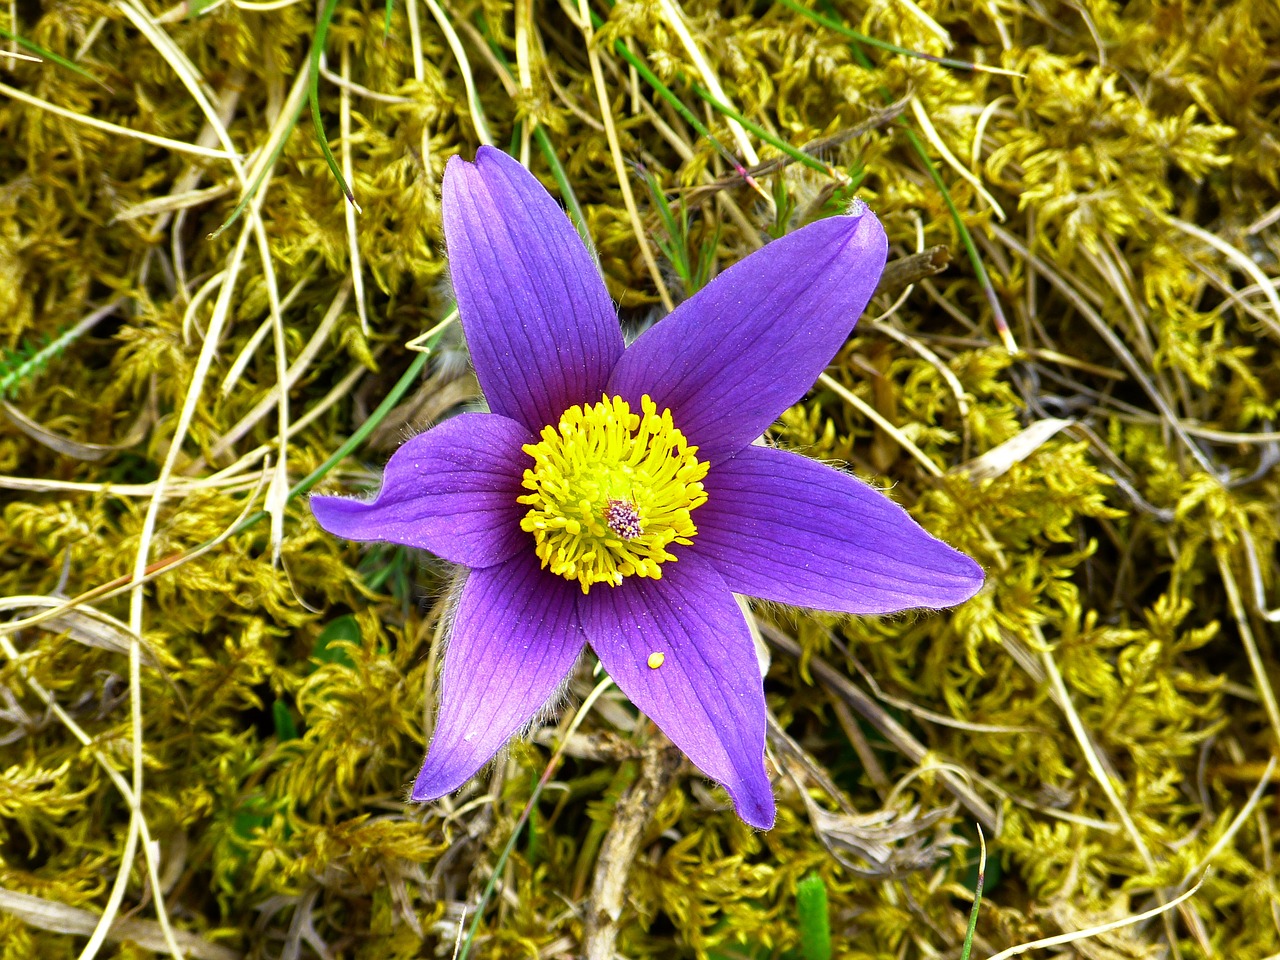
x,y
613,497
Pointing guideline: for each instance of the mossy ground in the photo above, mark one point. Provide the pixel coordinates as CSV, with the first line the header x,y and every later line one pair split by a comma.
x,y
1106,704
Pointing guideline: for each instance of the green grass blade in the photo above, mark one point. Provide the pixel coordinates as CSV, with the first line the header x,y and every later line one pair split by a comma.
x,y
977,896
794,153
844,31
543,780
669,95
562,181
353,442
676,246
317,49
29,360
266,168
966,238
813,921
49,55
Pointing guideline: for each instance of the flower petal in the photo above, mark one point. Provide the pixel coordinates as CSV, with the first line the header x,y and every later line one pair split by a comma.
x,y
706,695
542,330
451,490
783,527
730,359
515,639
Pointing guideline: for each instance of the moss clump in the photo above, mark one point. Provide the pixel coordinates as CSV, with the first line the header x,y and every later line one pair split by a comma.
x,y
1105,707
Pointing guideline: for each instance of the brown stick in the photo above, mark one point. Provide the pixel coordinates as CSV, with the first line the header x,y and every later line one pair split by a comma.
x,y
659,766
911,269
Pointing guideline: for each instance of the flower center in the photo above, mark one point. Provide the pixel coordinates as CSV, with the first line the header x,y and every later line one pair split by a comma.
x,y
610,491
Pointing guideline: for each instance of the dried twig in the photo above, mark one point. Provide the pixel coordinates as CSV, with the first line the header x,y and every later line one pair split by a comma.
x,y
659,766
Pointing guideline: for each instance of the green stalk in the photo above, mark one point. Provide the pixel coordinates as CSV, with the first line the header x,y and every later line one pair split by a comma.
x,y
794,153
394,396
966,238
317,50
562,181
49,55
844,31
977,897
813,921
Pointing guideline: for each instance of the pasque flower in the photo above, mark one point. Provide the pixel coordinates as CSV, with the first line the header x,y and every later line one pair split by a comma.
x,y
613,497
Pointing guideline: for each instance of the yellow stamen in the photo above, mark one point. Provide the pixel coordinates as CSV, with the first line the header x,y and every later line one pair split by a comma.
x,y
656,660
611,490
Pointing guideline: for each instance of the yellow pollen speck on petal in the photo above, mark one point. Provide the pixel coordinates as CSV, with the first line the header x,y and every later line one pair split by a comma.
x,y
610,491
656,660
